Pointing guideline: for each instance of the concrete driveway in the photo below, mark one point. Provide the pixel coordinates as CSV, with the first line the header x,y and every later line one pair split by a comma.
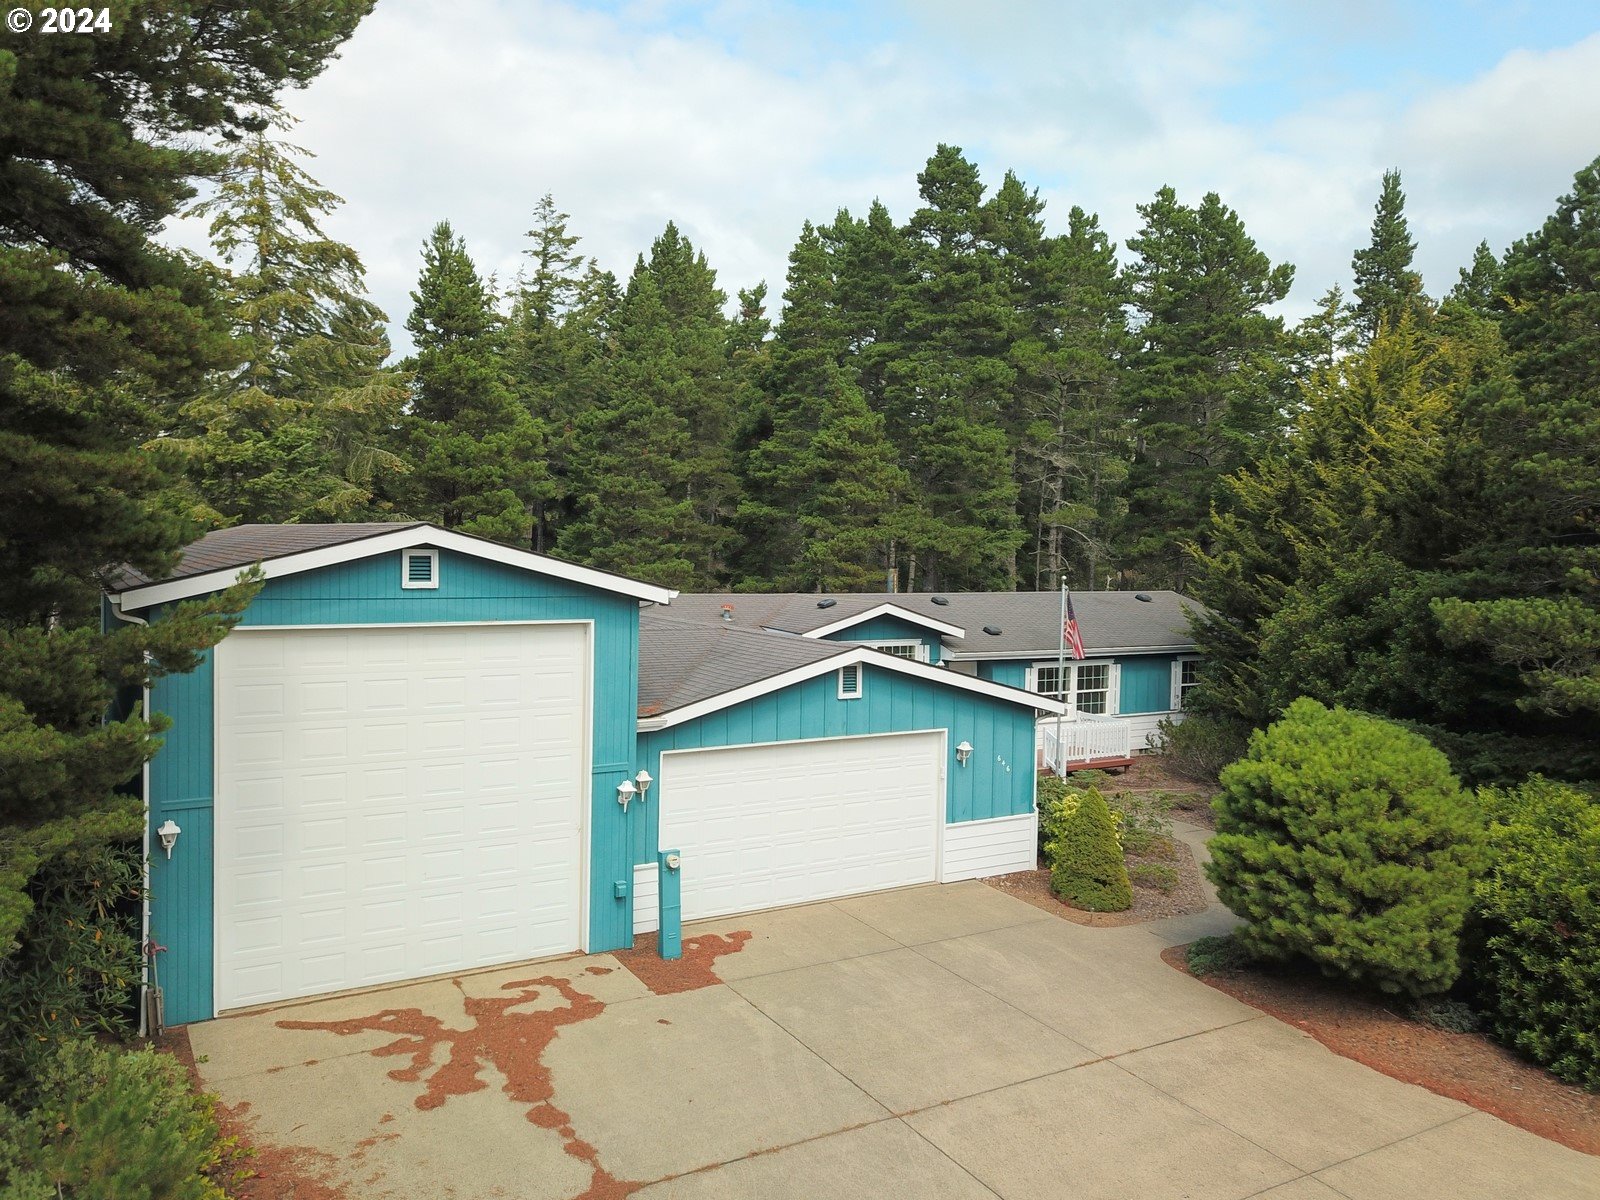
x,y
939,1042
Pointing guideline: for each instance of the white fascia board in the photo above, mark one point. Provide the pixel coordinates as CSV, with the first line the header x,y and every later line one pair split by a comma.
x,y
888,610
867,657
411,537
1033,656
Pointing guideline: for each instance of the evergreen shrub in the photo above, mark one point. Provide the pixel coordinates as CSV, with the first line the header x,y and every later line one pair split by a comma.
x,y
111,1123
1345,840
1537,917
1086,869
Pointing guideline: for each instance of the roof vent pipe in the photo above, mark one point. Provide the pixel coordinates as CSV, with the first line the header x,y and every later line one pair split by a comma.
x,y
727,612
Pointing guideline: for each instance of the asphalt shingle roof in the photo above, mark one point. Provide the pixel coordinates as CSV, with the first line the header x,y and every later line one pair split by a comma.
x,y
683,660
1029,622
242,545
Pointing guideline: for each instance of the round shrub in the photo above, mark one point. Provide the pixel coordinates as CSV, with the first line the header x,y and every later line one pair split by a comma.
x,y
1086,863
1538,916
1344,840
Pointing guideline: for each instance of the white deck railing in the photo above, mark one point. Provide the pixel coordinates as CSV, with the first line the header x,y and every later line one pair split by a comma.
x,y
1084,737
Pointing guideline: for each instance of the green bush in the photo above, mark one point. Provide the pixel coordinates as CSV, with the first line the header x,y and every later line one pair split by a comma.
x,y
1217,955
111,1123
1086,867
1345,840
77,964
1537,912
1153,875
1142,820
1200,745
1058,800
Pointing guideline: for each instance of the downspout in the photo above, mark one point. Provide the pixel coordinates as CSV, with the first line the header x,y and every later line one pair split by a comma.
x,y
144,863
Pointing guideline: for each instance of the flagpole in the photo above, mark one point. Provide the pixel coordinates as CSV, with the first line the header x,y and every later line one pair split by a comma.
x,y
1061,676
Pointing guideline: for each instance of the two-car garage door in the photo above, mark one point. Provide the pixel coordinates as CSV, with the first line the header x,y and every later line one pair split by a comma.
x,y
396,802
792,822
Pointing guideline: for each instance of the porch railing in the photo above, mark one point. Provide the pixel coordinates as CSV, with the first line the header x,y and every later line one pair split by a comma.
x,y
1084,738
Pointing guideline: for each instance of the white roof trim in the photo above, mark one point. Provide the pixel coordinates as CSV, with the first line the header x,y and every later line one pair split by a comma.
x,y
1041,655
865,655
888,610
408,538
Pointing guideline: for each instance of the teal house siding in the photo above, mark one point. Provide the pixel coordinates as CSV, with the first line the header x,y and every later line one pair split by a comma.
x,y
1146,684
1012,674
996,782
368,592
890,629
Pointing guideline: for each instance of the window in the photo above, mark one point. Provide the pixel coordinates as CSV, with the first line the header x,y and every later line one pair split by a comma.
x,y
1185,676
1047,680
1088,685
850,682
1091,687
915,651
419,568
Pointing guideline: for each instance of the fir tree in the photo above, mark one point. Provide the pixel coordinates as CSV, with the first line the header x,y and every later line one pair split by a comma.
x,y
1536,607
632,513
300,429
1387,289
1207,384
476,454
103,140
1478,287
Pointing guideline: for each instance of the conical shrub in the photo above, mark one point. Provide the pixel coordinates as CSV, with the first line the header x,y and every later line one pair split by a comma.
x,y
1086,869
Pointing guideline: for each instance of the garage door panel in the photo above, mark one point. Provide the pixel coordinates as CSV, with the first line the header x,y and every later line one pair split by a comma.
x,y
767,826
402,817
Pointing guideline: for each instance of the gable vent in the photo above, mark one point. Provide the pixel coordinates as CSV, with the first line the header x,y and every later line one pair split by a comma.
x,y
850,682
419,568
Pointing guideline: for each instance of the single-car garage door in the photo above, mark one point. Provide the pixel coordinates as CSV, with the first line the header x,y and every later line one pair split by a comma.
x,y
765,826
396,802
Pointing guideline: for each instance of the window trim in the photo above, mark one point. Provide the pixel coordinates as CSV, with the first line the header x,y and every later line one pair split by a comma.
x,y
1177,693
919,648
860,680
406,557
1113,688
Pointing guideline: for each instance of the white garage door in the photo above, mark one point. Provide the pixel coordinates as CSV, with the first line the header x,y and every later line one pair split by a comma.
x,y
765,826
393,803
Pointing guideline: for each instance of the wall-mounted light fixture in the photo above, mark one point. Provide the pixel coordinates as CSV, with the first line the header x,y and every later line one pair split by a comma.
x,y
963,752
644,780
625,793
168,833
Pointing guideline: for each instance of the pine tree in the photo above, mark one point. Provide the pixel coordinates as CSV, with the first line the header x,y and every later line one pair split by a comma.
x,y
632,513
476,454
948,388
1479,284
1536,609
823,490
1387,289
300,428
1208,381
1072,428
555,350
103,140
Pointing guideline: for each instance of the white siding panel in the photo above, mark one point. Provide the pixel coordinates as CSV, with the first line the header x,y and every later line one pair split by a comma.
x,y
646,898
979,849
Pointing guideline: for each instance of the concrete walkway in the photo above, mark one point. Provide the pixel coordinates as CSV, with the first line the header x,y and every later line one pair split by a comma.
x,y
938,1042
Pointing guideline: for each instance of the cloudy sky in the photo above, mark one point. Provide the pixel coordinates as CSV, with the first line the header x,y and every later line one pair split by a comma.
x,y
739,120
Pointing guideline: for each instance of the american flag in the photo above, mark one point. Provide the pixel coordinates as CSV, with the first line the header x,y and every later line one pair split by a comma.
x,y
1071,637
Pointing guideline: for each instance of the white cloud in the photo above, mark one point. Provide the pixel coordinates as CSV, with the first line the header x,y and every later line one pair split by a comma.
x,y
471,111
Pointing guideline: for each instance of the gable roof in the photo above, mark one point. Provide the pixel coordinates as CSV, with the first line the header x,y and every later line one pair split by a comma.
x,y
693,665
214,562
1029,622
